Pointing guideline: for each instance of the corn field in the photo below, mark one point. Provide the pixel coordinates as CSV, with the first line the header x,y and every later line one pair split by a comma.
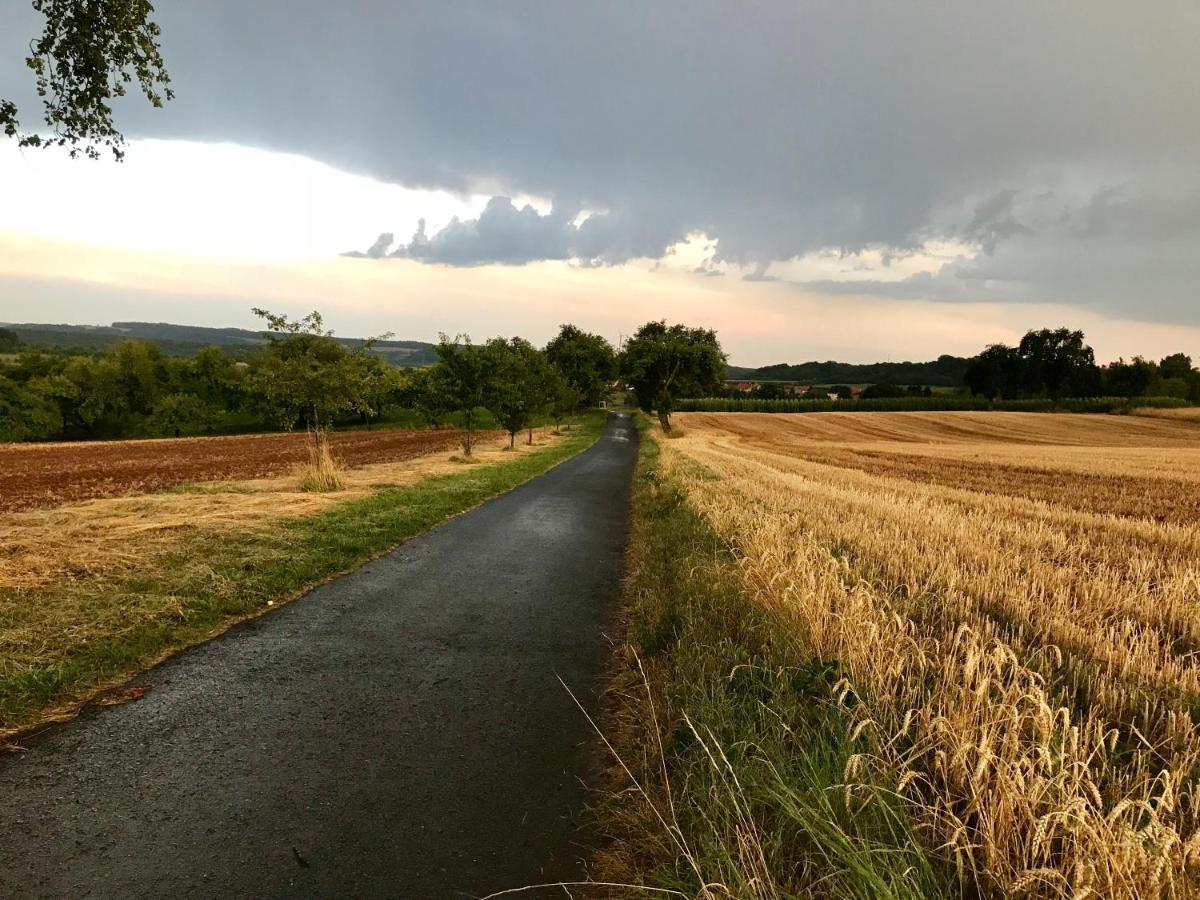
x,y
1012,601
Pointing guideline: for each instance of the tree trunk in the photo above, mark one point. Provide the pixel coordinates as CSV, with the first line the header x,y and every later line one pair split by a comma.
x,y
664,419
530,441
512,437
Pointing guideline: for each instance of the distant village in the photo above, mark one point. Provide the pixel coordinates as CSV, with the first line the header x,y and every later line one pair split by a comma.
x,y
781,389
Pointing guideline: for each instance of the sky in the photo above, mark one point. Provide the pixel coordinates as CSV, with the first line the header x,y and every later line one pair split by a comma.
x,y
861,181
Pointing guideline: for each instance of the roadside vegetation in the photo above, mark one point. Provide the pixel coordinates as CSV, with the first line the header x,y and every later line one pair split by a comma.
x,y
997,634
93,592
734,752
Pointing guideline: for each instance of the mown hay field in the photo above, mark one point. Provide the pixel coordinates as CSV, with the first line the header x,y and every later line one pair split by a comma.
x,y
1012,602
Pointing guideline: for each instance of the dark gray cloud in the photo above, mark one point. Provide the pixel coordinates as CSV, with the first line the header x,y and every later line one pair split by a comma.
x,y
778,128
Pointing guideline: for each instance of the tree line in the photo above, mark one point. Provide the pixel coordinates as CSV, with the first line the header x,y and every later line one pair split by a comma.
x,y
304,378
1058,363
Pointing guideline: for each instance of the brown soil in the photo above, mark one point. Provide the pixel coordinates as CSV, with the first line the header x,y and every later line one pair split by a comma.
x,y
33,475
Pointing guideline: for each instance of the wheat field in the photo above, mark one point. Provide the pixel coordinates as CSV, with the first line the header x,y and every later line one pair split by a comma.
x,y
1012,601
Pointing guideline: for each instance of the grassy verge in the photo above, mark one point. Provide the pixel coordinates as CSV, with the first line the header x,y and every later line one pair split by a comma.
x,y
201,587
724,721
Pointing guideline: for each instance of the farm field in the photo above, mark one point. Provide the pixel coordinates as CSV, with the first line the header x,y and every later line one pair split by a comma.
x,y
45,474
1012,605
92,590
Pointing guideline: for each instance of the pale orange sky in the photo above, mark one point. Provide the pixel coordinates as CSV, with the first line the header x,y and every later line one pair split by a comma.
x,y
198,233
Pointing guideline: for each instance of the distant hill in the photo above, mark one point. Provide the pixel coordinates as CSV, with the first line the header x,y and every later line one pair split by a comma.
x,y
184,340
945,371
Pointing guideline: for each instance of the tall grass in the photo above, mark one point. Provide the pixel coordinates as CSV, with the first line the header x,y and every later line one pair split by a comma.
x,y
1027,674
734,753
928,404
322,473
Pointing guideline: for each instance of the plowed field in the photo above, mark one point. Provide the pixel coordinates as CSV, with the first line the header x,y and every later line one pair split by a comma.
x,y
34,475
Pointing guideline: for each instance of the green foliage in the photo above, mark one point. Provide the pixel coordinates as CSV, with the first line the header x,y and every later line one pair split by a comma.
x,y
26,415
300,376
305,377
1056,364
87,55
460,382
662,364
520,383
177,414
10,342
945,371
1130,379
587,362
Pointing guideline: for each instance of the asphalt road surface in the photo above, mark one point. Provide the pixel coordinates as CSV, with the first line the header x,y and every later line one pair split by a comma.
x,y
398,732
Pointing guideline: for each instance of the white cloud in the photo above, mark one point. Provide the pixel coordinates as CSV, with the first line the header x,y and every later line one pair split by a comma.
x,y
211,200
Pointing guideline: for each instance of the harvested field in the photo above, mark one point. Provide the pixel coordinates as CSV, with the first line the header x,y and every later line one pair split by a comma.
x,y
33,475
1013,603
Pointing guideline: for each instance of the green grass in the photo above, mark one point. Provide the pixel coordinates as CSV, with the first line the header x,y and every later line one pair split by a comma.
x,y
724,719
215,580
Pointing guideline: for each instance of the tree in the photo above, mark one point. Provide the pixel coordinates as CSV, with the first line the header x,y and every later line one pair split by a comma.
x,y
586,361
303,376
1177,365
461,381
996,372
174,414
662,364
9,341
564,400
882,391
25,415
88,53
843,391
1057,363
517,379
1130,379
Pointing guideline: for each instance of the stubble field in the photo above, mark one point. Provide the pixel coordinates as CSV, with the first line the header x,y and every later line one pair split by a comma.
x,y
1011,603
33,475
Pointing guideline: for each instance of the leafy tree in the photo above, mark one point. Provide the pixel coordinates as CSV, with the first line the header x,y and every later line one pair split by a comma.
x,y
586,361
25,415
461,381
662,364
174,414
996,372
216,379
1177,365
517,384
564,400
9,342
1130,379
770,391
882,391
843,391
1057,363
88,52
304,376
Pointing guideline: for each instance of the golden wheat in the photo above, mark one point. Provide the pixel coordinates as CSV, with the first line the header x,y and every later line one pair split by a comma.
x,y
1027,670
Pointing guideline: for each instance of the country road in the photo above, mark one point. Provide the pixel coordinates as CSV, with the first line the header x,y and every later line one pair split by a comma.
x,y
398,732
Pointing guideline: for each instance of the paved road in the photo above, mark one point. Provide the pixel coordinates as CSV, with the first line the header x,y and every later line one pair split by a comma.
x,y
398,732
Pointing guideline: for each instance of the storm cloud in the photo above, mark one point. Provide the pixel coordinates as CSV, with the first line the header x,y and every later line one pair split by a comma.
x,y
1057,140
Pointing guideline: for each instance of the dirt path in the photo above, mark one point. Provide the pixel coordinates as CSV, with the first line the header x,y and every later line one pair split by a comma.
x,y
398,732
